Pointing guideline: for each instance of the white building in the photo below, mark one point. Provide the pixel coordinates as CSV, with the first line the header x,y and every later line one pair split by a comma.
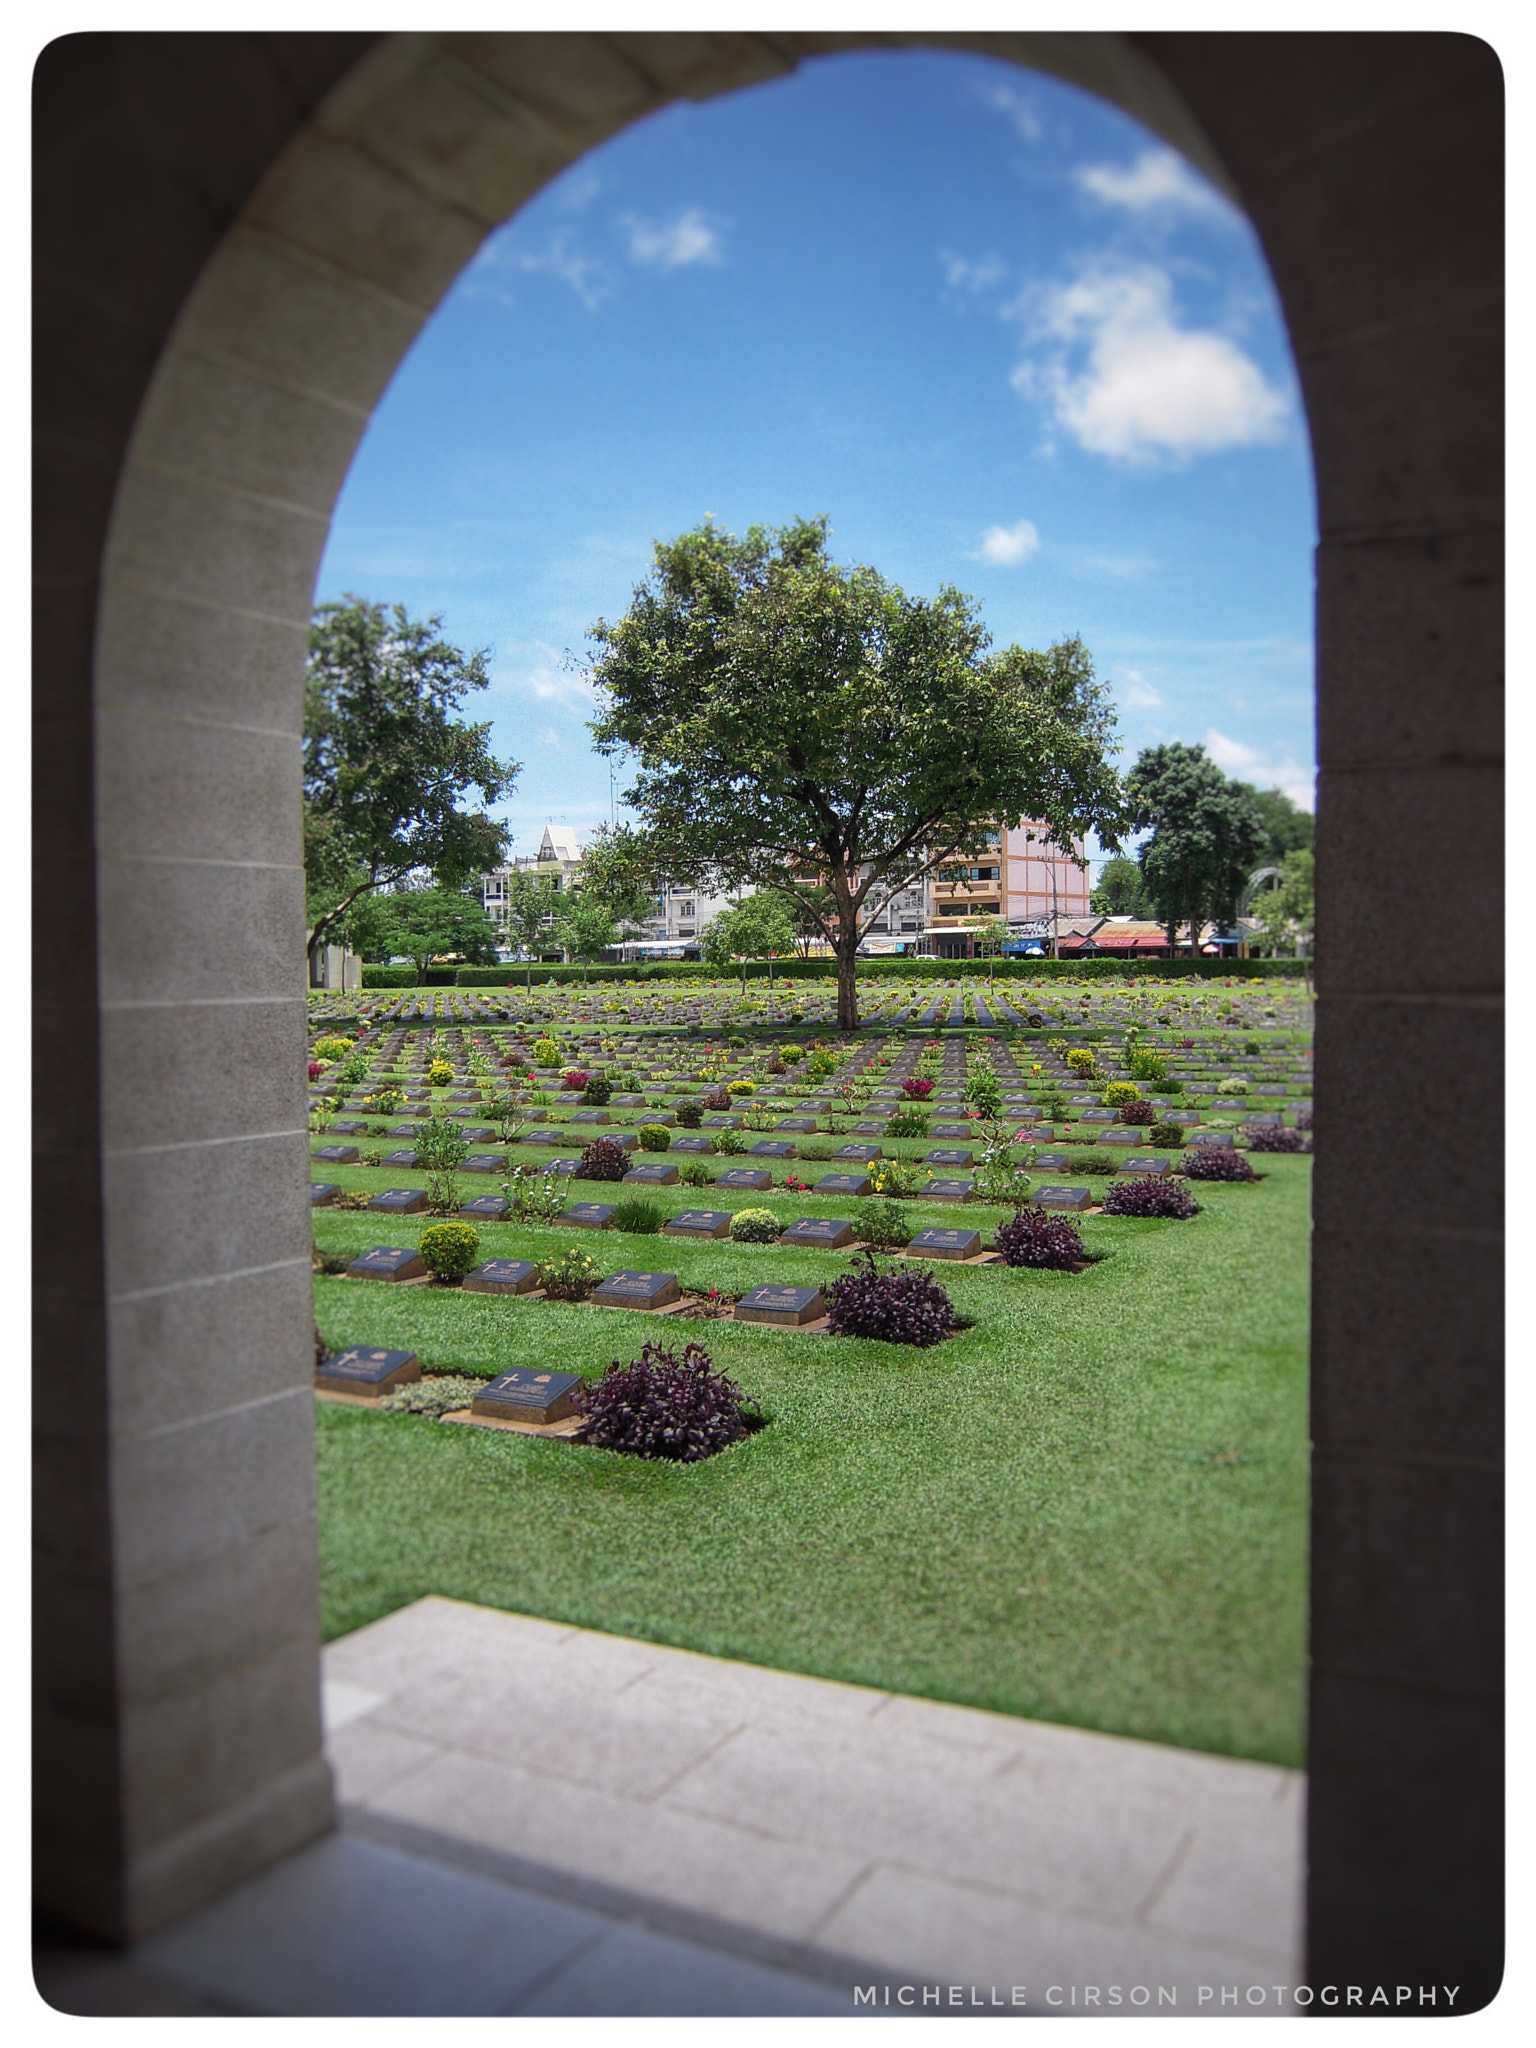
x,y
558,859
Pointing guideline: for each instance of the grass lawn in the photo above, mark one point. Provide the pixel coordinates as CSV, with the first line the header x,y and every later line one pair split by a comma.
x,y
1088,1508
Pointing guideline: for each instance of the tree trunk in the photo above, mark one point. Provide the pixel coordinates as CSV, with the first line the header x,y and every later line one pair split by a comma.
x,y
847,987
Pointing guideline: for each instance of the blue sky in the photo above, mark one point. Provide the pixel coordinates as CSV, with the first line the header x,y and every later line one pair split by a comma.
x,y
995,330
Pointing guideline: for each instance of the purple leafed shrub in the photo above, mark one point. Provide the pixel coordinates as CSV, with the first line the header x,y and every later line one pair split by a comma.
x,y
1145,1196
663,1406
603,1159
1034,1237
717,1099
1138,1113
1204,1162
898,1306
1303,1119
1275,1138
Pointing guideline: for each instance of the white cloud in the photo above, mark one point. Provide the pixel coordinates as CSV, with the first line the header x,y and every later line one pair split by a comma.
x,y
1009,545
1159,182
1008,101
673,244
1136,691
962,275
1123,377
587,276
1264,769
547,680
549,737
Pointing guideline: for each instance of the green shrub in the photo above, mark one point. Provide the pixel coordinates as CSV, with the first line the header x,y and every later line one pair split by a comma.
x,y
908,1123
730,1143
653,1137
571,1277
1235,1086
546,1053
1146,1066
693,1173
1168,1136
439,1074
792,1055
1090,1162
1080,1061
636,1215
449,1250
689,1116
331,1048
597,1093
740,1087
1118,1093
814,1148
898,1178
882,1224
432,1397
755,1226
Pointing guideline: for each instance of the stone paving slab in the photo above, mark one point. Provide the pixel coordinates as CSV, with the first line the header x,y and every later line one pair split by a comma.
x,y
814,1827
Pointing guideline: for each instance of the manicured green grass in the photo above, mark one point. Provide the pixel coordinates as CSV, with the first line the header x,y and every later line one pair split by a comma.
x,y
1090,1507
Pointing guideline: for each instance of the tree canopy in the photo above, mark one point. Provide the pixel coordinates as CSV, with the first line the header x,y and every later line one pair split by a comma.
x,y
387,761
532,904
808,728
423,923
760,927
1121,890
1206,837
1287,827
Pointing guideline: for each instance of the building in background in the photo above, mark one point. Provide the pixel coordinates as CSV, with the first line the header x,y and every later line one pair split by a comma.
x,y
1023,877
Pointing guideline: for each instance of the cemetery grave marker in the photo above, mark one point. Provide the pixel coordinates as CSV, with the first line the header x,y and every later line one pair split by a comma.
x,y
336,1155
772,1148
400,1201
1157,1167
698,1223
949,1158
845,1184
322,1193
1221,1140
406,1158
387,1262
691,1145
502,1276
484,1162
829,1232
587,1215
369,1374
484,1209
945,1244
656,1173
860,1152
1078,1199
947,1191
629,1289
788,1307
527,1395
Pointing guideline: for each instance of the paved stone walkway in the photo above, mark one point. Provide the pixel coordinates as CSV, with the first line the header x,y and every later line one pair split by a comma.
x,y
545,1819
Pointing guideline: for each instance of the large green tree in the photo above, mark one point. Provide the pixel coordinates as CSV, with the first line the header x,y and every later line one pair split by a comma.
x,y
421,924
387,761
1285,913
1121,890
1206,837
533,903
808,728
586,928
760,927
1287,827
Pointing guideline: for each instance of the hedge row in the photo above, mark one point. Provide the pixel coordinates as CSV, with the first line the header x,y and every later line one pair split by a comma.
x,y
1096,968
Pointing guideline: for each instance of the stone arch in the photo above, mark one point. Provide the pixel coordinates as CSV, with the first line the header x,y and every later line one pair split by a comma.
x,y
238,238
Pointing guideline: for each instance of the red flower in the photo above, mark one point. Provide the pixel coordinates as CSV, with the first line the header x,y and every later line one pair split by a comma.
x,y
315,1070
